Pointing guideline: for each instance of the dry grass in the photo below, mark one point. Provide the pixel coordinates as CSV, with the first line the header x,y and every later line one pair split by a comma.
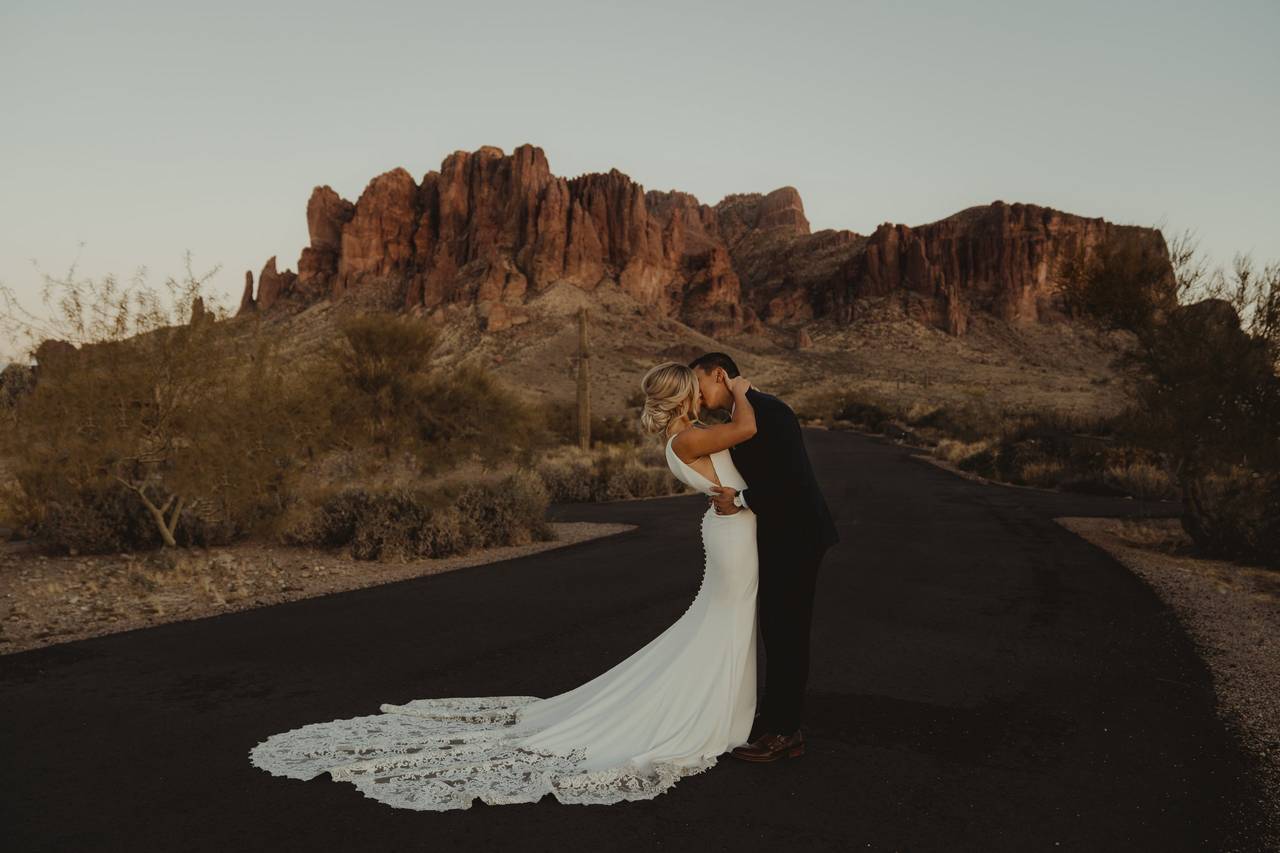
x,y
1043,473
883,352
1142,479
607,473
431,521
1049,448
955,452
14,508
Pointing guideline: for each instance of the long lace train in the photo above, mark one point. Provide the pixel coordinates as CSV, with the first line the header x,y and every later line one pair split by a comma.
x,y
665,712
397,757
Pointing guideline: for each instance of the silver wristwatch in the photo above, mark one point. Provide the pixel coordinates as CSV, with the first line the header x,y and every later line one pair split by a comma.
x,y
738,501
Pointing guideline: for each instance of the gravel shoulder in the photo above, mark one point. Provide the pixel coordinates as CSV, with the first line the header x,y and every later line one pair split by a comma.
x,y
1232,612
50,600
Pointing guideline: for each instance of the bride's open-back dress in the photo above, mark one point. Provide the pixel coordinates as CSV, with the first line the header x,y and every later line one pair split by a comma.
x,y
667,711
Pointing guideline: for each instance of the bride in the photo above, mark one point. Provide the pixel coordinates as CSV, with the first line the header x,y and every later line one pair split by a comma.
x,y
666,712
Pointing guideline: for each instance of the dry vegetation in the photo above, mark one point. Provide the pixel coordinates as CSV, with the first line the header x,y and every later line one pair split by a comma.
x,y
153,465
1190,413
377,436
608,473
214,431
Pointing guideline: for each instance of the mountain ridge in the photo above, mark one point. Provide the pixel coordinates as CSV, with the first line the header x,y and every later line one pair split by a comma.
x,y
489,230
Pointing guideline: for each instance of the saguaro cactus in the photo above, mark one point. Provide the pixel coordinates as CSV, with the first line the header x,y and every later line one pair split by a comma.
x,y
584,384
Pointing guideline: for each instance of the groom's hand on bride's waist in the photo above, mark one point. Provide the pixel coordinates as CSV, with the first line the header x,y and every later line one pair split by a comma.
x,y
722,500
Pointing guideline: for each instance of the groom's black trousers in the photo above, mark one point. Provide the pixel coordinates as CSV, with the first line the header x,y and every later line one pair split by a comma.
x,y
788,576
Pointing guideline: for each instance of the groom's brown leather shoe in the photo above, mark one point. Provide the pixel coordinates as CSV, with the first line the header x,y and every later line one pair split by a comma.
x,y
771,747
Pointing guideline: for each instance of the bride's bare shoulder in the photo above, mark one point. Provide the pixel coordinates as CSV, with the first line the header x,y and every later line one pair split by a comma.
x,y
680,445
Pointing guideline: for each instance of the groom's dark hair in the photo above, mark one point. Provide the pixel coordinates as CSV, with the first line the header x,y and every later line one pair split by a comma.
x,y
711,360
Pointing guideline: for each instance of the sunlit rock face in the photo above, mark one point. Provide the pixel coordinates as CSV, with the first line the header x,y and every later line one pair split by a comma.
x,y
489,230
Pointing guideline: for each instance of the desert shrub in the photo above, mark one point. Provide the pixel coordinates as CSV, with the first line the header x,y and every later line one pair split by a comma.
x,y
383,389
97,518
983,462
1122,282
867,414
1048,449
561,417
607,473
1041,448
1240,515
623,477
974,419
132,398
15,380
853,406
402,523
922,414
18,513
568,479
1142,479
820,407
389,526
955,451
1041,472
373,371
1208,404
652,454
105,517
324,519
183,420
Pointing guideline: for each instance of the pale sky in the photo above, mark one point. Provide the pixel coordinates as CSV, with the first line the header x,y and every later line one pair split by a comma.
x,y
144,129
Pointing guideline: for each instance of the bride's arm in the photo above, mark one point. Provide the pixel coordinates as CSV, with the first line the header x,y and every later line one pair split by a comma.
x,y
693,443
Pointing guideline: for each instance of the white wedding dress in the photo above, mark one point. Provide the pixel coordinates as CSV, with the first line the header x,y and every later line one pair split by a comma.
x,y
666,712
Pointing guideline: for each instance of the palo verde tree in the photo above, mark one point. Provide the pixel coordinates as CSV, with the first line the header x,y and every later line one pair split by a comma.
x,y
1207,400
386,389
132,401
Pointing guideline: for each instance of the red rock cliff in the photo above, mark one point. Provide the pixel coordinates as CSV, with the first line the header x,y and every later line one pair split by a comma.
x,y
488,230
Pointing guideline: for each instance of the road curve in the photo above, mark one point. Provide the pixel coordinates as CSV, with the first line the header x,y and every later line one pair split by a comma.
x,y
981,680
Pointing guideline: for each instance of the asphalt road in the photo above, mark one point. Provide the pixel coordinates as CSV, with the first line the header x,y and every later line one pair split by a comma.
x,y
981,680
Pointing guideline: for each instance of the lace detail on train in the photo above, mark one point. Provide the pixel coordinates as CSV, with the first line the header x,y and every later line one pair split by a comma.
x,y
441,754
665,712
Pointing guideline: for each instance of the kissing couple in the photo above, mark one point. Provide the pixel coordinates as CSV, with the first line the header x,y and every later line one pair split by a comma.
x,y
674,706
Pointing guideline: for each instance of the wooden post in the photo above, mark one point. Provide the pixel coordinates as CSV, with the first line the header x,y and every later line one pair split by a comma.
x,y
584,386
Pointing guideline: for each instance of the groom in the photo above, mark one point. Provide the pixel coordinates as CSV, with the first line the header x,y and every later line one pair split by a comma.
x,y
793,531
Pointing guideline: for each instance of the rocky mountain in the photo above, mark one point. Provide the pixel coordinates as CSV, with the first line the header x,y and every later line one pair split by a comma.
x,y
489,231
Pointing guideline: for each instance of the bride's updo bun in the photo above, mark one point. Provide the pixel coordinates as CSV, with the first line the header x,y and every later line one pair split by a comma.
x,y
670,389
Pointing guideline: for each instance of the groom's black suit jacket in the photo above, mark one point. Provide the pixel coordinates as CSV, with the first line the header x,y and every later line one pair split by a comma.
x,y
781,489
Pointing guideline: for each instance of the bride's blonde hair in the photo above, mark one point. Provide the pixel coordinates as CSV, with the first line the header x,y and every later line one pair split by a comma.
x,y
670,389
